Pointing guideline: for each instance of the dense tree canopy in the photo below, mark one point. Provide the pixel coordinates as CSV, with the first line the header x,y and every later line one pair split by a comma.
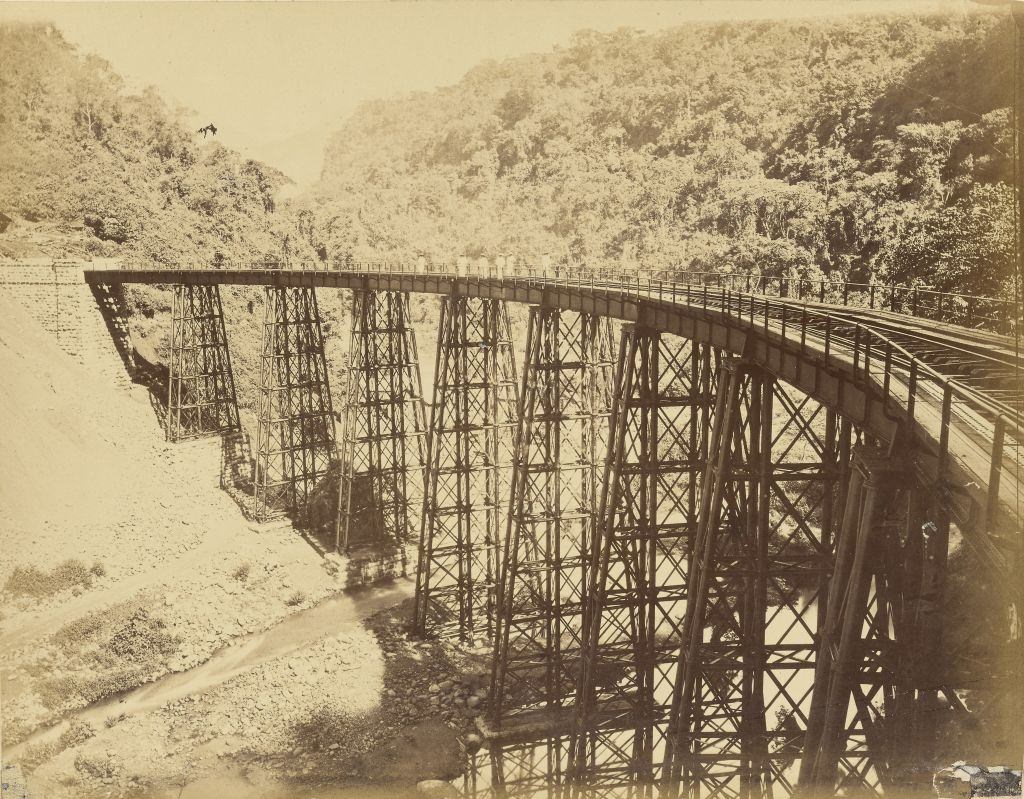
x,y
865,147
79,150
871,148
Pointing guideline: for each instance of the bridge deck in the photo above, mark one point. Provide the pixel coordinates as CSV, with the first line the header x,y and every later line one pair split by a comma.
x,y
949,392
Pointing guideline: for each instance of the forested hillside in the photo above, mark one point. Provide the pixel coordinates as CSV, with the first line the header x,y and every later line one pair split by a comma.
x,y
90,169
866,147
104,172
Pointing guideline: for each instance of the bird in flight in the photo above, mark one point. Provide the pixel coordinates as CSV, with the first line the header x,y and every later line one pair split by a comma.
x,y
208,129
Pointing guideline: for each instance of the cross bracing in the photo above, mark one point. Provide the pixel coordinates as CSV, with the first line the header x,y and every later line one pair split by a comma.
x,y
468,470
201,392
295,440
562,435
382,454
761,555
661,412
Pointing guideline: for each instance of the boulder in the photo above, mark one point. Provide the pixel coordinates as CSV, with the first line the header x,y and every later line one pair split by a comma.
x,y
962,781
436,789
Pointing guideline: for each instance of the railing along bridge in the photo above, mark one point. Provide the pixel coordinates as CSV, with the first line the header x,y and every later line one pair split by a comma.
x,y
710,552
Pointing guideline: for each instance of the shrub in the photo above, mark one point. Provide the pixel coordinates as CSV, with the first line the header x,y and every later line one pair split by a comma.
x,y
97,569
78,731
54,692
296,599
141,638
34,582
96,765
37,754
241,573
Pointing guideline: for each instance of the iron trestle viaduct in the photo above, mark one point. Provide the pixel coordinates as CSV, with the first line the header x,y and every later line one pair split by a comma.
x,y
709,551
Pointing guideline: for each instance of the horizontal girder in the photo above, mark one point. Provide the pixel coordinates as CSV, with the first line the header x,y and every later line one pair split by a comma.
x,y
966,442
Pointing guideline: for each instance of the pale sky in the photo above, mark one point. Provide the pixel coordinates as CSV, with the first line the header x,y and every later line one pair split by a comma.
x,y
277,77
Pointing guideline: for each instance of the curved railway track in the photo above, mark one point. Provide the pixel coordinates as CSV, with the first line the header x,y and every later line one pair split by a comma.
x,y
987,362
949,394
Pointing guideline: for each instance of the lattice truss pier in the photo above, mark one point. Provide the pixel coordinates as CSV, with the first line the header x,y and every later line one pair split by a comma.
x,y
657,451
295,440
201,392
562,436
541,766
382,456
760,558
878,672
469,459
518,769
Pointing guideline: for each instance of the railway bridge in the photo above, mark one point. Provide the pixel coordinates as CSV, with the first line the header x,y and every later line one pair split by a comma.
x,y
707,524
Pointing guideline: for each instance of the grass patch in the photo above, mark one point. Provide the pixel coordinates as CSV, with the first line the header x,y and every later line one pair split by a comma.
x,y
80,690
32,581
36,754
110,651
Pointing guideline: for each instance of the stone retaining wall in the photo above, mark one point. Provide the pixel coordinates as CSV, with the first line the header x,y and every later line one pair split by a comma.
x,y
56,294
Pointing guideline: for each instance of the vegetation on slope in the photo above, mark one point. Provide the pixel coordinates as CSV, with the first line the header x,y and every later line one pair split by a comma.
x,y
90,170
864,147
80,153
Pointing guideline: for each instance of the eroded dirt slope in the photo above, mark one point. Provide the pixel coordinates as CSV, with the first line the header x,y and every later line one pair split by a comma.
x,y
125,568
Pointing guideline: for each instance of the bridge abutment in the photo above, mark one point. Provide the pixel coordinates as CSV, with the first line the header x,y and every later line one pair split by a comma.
x,y
88,322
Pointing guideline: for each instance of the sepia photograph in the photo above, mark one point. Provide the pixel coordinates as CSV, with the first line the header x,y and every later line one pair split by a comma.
x,y
523,399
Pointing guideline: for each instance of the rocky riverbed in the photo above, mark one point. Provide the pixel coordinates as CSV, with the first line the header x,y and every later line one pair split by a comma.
x,y
156,643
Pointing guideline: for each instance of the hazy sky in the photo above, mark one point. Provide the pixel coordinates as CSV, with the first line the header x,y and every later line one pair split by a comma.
x,y
276,77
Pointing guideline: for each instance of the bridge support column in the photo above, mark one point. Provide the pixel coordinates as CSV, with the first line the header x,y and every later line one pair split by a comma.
x,y
535,766
469,457
760,556
382,459
657,452
563,407
295,441
863,655
201,392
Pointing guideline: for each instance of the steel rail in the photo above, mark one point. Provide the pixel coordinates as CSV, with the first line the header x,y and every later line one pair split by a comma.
x,y
946,420
952,307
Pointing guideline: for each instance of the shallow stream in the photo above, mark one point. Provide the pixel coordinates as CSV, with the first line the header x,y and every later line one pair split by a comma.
x,y
330,617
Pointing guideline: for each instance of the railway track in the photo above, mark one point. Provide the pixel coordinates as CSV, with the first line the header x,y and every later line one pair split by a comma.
x,y
984,361
957,388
